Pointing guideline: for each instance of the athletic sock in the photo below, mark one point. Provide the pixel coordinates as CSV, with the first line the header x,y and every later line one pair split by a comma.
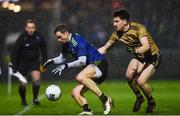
x,y
22,92
86,107
35,90
103,98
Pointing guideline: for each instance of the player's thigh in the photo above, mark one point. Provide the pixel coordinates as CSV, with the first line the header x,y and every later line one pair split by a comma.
x,y
136,65
88,72
132,69
79,89
146,74
133,64
140,67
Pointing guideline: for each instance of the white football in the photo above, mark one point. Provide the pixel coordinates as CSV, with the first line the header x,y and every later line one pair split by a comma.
x,y
53,92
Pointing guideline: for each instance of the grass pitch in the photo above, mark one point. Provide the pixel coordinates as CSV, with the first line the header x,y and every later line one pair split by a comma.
x,y
166,93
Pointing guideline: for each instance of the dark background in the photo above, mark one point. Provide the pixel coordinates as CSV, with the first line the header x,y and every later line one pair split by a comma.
x,y
93,19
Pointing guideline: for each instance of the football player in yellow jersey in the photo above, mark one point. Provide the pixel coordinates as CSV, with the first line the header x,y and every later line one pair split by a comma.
x,y
142,67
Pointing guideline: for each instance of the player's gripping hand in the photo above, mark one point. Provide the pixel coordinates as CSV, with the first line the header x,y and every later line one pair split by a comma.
x,y
58,70
134,52
49,61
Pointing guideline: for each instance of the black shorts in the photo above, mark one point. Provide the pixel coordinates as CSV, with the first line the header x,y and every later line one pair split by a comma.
x,y
24,68
103,67
154,60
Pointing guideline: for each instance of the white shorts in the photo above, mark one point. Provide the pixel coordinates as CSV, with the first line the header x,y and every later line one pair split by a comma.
x,y
98,71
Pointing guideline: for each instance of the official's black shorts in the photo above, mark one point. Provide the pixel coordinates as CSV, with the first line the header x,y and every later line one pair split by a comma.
x,y
24,68
154,60
103,67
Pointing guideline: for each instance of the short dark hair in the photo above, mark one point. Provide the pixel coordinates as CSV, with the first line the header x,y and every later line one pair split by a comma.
x,y
30,21
123,14
61,28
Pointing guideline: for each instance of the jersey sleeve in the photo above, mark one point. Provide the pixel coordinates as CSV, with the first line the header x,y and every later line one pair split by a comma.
x,y
112,38
142,31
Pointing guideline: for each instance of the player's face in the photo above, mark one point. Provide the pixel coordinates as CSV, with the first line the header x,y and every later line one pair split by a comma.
x,y
62,37
119,24
30,28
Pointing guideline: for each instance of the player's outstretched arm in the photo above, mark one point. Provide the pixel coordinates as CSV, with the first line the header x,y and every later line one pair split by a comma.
x,y
57,60
104,48
77,63
139,51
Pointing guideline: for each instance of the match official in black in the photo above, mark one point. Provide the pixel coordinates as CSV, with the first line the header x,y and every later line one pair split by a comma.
x,y
26,59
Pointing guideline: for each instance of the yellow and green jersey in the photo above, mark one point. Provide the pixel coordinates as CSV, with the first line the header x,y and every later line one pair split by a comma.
x,y
131,38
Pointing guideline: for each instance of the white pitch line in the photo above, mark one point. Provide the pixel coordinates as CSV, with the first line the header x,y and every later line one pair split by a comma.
x,y
27,108
24,110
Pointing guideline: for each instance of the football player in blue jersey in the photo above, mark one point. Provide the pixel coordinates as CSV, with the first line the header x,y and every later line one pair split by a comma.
x,y
94,71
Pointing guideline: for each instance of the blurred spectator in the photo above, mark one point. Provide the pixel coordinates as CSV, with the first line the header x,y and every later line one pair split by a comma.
x,y
159,19
117,4
99,35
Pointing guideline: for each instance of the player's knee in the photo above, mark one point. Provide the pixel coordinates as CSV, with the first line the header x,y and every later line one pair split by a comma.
x,y
130,74
140,83
79,78
75,93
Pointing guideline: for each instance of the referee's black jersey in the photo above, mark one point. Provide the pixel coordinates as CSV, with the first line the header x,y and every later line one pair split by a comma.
x,y
28,48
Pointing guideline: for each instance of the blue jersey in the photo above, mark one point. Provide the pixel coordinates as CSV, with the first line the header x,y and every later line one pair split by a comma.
x,y
79,46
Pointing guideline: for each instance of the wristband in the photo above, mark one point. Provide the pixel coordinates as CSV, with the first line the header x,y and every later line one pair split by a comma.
x,y
66,65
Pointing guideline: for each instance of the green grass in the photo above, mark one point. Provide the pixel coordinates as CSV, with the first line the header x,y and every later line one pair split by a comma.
x,y
166,93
